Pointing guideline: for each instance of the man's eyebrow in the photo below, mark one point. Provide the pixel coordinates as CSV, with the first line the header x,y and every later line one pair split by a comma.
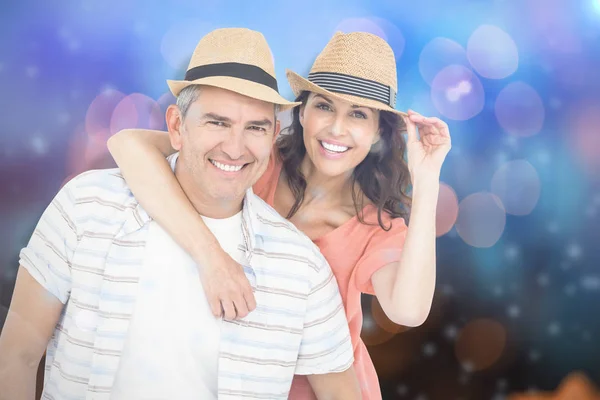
x,y
263,122
215,117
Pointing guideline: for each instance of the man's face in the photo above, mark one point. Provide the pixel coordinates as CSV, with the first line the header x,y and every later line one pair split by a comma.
x,y
224,142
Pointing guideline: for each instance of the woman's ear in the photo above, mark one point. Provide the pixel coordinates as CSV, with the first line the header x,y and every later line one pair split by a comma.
x,y
301,114
376,138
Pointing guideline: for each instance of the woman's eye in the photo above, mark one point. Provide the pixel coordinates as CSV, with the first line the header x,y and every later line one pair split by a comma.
x,y
359,114
324,107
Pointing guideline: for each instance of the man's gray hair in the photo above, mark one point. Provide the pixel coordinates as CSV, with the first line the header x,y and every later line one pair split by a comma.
x,y
187,96
190,94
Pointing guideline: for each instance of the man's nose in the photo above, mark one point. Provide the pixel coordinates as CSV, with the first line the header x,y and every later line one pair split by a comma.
x,y
234,145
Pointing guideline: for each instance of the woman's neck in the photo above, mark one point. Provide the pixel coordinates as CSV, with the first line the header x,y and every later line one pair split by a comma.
x,y
325,190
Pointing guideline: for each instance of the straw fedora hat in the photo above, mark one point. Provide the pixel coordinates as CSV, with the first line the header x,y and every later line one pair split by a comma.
x,y
357,67
235,59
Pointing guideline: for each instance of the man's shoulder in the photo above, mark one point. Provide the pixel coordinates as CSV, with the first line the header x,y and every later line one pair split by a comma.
x,y
104,183
275,229
101,196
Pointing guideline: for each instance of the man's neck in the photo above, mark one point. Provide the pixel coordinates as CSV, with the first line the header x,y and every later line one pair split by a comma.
x,y
211,208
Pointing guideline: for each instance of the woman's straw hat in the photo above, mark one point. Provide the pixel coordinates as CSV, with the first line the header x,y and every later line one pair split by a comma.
x,y
357,67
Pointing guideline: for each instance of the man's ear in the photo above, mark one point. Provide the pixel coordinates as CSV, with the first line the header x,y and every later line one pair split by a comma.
x,y
174,126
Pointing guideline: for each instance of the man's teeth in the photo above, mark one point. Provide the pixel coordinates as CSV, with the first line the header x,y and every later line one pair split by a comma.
x,y
334,147
225,167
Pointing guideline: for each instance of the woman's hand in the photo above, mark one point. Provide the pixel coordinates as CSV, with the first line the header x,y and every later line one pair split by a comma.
x,y
426,153
226,286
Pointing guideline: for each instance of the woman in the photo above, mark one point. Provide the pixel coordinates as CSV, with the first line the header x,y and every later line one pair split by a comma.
x,y
340,176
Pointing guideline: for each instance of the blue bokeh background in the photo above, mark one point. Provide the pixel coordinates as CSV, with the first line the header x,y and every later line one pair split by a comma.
x,y
518,289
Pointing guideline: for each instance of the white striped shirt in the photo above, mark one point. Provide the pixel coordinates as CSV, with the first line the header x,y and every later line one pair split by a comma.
x,y
88,250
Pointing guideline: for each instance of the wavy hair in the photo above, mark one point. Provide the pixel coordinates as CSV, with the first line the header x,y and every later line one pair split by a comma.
x,y
383,176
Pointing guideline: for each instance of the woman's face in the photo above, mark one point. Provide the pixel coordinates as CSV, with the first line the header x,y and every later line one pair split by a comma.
x,y
337,134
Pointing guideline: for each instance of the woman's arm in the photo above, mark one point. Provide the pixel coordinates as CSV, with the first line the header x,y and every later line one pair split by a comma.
x,y
140,154
405,288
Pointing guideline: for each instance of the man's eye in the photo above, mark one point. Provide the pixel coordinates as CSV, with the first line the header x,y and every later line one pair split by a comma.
x,y
218,123
257,128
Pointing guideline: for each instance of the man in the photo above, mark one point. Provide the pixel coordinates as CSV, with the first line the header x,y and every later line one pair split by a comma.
x,y
119,305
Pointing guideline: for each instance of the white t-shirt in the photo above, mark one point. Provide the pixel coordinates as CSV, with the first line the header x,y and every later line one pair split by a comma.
x,y
172,347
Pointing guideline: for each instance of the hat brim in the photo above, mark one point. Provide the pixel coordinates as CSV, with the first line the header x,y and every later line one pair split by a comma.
x,y
300,84
241,86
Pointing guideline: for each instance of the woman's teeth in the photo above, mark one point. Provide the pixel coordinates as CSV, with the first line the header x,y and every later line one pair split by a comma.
x,y
334,147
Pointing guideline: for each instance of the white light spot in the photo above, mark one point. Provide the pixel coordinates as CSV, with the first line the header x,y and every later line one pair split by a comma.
x,y
498,291
514,311
543,280
512,252
32,72
450,332
534,356
63,118
590,282
543,157
39,145
570,289
574,251
447,290
468,367
429,349
554,329
502,384
586,336
402,390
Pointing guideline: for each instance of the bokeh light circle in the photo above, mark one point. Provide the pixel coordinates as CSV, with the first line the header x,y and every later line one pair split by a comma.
x,y
377,26
585,136
519,109
480,344
179,42
165,101
361,25
492,52
457,93
382,319
100,111
447,210
372,334
136,111
87,152
438,54
481,219
517,184
394,36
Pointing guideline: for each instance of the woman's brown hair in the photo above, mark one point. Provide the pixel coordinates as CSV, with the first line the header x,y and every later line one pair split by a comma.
x,y
382,177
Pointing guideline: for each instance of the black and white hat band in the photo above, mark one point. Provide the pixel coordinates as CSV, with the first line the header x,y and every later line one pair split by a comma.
x,y
352,85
